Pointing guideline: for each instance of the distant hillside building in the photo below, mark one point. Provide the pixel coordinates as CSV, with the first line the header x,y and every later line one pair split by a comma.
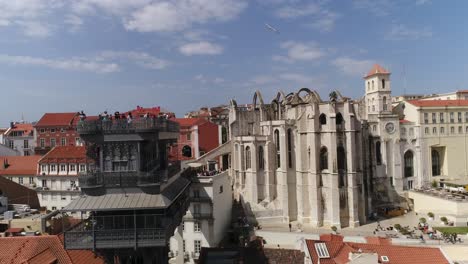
x,y
58,172
20,137
197,137
20,169
56,129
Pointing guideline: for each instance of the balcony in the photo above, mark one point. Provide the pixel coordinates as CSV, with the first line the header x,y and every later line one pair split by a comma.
x,y
105,234
122,126
127,178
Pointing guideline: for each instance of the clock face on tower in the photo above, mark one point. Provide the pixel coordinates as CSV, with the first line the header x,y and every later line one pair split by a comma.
x,y
390,127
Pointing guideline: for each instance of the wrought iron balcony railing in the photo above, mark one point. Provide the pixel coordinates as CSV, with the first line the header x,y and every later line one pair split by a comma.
x,y
102,232
127,178
122,126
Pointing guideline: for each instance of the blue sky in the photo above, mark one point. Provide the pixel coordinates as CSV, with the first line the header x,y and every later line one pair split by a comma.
x,y
93,55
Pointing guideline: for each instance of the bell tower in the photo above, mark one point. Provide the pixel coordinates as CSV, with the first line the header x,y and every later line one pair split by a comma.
x,y
378,91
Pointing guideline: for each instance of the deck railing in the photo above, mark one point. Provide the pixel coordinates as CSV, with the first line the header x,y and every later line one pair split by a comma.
x,y
127,178
119,126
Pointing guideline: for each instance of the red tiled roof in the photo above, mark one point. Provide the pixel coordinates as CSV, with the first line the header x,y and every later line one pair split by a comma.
x,y
18,193
189,122
43,250
462,91
404,121
66,154
23,249
438,103
56,119
27,128
44,257
377,69
339,252
84,257
19,165
14,230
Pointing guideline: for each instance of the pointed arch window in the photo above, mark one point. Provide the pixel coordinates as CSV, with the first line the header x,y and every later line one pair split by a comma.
x,y
278,149
368,86
323,158
339,121
383,83
290,160
323,119
341,160
435,162
261,158
248,158
378,153
372,85
409,161
384,102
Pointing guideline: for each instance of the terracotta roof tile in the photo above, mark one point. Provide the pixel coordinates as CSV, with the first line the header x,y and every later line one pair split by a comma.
x,y
19,165
377,69
56,119
44,257
339,252
23,249
66,154
188,122
438,103
27,128
43,249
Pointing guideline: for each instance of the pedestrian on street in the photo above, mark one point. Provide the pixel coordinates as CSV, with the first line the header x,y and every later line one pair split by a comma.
x,y
290,227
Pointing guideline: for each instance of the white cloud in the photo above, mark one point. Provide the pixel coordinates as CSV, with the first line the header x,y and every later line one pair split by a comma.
x,y
28,15
262,79
71,64
74,21
297,51
296,11
35,28
178,15
201,78
326,21
422,2
400,31
142,59
352,67
376,7
297,78
201,48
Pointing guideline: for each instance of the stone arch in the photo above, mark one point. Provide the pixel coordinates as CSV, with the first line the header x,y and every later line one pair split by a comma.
x,y
233,103
258,96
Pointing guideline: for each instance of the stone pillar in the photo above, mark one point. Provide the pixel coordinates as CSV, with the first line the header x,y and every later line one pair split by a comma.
x,y
299,175
281,173
314,192
253,174
352,156
333,204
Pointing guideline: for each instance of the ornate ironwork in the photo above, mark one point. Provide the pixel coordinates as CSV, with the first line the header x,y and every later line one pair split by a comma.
x,y
124,126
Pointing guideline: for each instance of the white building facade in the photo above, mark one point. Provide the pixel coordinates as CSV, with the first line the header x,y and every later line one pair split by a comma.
x,y
57,180
207,218
20,137
333,163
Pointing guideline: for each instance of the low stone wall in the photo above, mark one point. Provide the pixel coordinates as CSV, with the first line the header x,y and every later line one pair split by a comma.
x,y
456,211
